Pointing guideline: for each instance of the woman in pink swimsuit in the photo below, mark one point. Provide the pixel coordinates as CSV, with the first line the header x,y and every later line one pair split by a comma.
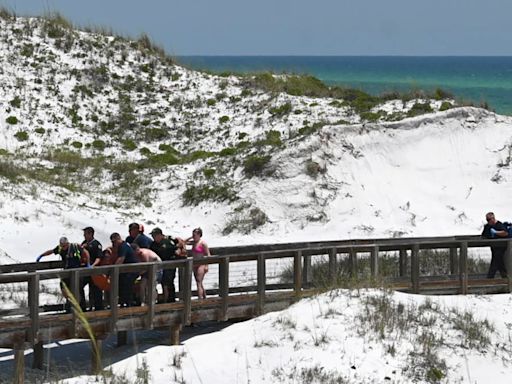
x,y
199,250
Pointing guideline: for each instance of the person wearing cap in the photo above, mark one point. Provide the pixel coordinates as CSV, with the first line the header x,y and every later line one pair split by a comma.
x,y
73,256
95,250
165,247
125,255
136,235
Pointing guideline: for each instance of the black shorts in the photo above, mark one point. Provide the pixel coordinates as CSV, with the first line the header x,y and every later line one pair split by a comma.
x,y
168,276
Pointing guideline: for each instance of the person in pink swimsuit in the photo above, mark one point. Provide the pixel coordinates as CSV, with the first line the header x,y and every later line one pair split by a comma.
x,y
199,250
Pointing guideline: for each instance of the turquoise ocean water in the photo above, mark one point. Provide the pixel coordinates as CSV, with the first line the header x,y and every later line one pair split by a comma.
x,y
476,79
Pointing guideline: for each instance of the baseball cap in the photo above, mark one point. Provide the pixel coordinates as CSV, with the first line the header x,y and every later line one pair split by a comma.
x,y
156,231
88,229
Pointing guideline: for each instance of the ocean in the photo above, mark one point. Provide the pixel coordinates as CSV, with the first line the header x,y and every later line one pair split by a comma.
x,y
478,78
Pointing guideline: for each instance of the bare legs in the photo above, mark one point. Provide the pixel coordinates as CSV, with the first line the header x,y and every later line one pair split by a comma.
x,y
199,273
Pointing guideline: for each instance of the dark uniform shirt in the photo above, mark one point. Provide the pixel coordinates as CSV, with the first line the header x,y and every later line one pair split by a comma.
x,y
141,240
71,257
166,248
498,226
127,252
94,248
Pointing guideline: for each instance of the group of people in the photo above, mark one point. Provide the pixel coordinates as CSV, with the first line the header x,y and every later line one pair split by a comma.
x,y
137,247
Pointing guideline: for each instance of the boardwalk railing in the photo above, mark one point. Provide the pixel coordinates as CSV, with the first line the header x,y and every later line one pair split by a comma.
x,y
235,296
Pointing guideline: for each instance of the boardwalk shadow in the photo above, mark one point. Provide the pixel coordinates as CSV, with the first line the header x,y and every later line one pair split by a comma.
x,y
72,358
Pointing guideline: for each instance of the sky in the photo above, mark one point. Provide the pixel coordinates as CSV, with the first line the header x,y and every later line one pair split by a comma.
x,y
298,27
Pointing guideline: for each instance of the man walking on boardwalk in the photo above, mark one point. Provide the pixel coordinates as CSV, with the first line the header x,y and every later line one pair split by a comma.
x,y
495,229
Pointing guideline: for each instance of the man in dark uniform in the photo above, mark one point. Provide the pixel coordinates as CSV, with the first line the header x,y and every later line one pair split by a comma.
x,y
95,250
495,229
125,255
136,235
73,256
165,247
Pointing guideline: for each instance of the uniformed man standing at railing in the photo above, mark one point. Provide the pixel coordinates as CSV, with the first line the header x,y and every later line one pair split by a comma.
x,y
495,229
73,256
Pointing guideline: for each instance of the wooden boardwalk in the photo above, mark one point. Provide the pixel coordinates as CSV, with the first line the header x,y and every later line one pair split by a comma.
x,y
314,266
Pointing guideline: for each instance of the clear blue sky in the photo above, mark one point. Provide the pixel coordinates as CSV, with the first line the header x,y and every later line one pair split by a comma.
x,y
298,27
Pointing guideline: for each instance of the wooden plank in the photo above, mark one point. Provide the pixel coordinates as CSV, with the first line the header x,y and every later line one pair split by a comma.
x,y
402,262
453,260
151,295
75,291
224,287
38,355
261,277
352,262
19,363
332,266
187,293
508,264
374,262
463,267
114,298
307,272
297,273
175,334
415,268
33,304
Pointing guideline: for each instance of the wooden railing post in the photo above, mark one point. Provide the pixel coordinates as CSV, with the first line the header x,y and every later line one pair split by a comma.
x,y
332,266
114,297
453,261
463,267
19,363
374,261
187,292
224,288
508,264
415,268
352,260
307,272
151,286
33,304
297,273
402,263
261,270
75,291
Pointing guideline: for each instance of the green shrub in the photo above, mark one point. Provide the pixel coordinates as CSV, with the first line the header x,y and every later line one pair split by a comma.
x,y
211,102
223,119
145,151
16,102
129,145
313,168
197,155
282,110
445,105
372,116
440,94
99,145
77,144
242,135
21,135
195,194
208,172
155,134
160,160
419,109
12,120
229,151
272,138
40,130
167,148
255,165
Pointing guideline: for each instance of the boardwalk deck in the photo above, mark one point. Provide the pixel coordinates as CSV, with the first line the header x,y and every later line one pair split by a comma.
x,y
365,260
